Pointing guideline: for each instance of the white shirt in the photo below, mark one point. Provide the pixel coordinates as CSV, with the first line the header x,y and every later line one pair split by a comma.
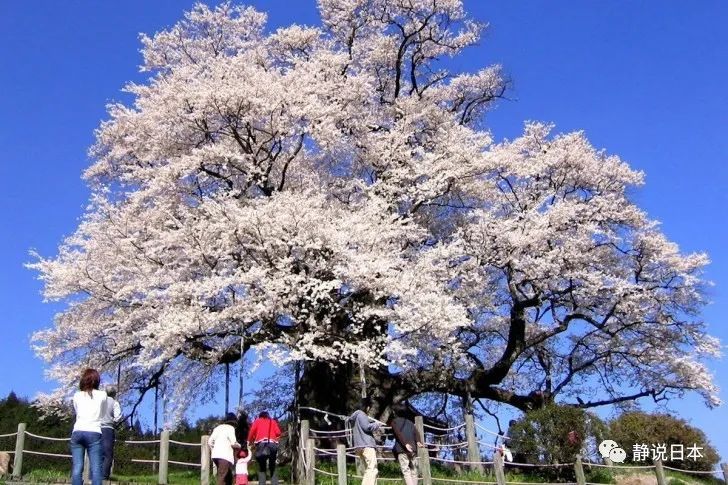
x,y
89,410
221,442
112,414
241,466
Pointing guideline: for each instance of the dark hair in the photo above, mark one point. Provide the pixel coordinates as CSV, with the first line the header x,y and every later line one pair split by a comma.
x,y
111,391
230,418
399,411
242,427
365,403
264,414
90,380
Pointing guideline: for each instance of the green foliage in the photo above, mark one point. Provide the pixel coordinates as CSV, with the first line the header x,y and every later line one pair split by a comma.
x,y
676,481
553,434
636,427
14,410
599,475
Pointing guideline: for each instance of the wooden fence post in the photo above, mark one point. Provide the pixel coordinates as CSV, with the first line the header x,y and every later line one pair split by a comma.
x,y
301,447
423,453
579,469
500,476
660,473
724,466
204,460
341,463
473,448
310,463
164,457
19,445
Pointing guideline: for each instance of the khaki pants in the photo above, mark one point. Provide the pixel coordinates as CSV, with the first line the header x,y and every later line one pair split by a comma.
x,y
409,468
369,455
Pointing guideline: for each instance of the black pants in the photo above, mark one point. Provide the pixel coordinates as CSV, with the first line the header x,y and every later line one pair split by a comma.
x,y
108,437
225,471
268,463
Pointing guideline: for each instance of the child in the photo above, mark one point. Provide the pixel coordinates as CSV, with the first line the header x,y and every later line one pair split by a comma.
x,y
241,468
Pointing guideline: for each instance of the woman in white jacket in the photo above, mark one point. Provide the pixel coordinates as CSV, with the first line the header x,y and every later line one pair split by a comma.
x,y
223,444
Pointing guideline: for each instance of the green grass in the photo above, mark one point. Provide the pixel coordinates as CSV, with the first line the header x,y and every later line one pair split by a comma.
x,y
686,478
593,475
391,470
175,477
605,475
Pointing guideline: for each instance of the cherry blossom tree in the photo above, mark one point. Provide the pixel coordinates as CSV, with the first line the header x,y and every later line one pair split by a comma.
x,y
332,195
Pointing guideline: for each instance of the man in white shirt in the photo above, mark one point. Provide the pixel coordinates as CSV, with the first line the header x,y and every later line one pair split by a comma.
x,y
109,420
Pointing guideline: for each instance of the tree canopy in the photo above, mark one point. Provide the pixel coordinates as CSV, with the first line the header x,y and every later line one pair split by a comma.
x,y
333,194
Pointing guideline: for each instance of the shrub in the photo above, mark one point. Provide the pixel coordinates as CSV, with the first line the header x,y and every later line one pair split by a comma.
x,y
554,434
636,427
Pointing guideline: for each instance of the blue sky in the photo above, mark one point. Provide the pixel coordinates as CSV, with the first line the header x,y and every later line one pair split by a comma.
x,y
645,80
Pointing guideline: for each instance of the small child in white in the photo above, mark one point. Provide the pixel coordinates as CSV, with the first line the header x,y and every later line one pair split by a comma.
x,y
241,468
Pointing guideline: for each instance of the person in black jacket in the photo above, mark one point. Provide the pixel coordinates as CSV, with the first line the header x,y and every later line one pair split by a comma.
x,y
406,441
242,428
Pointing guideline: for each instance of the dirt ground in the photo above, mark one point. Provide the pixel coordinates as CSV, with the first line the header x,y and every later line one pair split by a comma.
x,y
637,479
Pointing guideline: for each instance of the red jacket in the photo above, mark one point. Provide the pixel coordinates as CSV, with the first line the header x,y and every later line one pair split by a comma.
x,y
264,428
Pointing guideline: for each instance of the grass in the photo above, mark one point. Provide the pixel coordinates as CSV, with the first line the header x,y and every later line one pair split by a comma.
x,y
391,470
593,475
606,476
54,476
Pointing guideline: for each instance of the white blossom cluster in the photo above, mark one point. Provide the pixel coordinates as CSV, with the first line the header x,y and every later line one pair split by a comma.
x,y
331,193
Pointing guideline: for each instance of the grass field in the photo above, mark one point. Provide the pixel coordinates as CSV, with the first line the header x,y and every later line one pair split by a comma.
x,y
390,470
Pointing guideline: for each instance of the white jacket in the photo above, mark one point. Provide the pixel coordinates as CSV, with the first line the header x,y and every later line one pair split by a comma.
x,y
221,442
241,466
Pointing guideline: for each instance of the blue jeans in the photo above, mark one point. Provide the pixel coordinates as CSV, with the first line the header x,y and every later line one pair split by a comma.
x,y
82,442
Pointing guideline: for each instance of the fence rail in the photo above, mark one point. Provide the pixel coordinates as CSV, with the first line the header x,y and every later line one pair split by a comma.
x,y
309,453
21,448
470,449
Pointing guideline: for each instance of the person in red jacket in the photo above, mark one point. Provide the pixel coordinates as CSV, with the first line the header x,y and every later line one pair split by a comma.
x,y
264,435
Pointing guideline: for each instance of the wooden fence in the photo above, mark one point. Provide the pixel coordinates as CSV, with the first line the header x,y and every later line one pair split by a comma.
x,y
162,463
309,454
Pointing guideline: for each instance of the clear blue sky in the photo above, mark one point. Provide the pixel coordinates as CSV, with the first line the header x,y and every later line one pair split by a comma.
x,y
645,80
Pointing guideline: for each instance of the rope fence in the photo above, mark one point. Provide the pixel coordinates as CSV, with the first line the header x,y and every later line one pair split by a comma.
x,y
184,463
451,480
602,465
161,451
48,438
693,472
184,443
436,428
538,465
450,455
141,442
42,453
